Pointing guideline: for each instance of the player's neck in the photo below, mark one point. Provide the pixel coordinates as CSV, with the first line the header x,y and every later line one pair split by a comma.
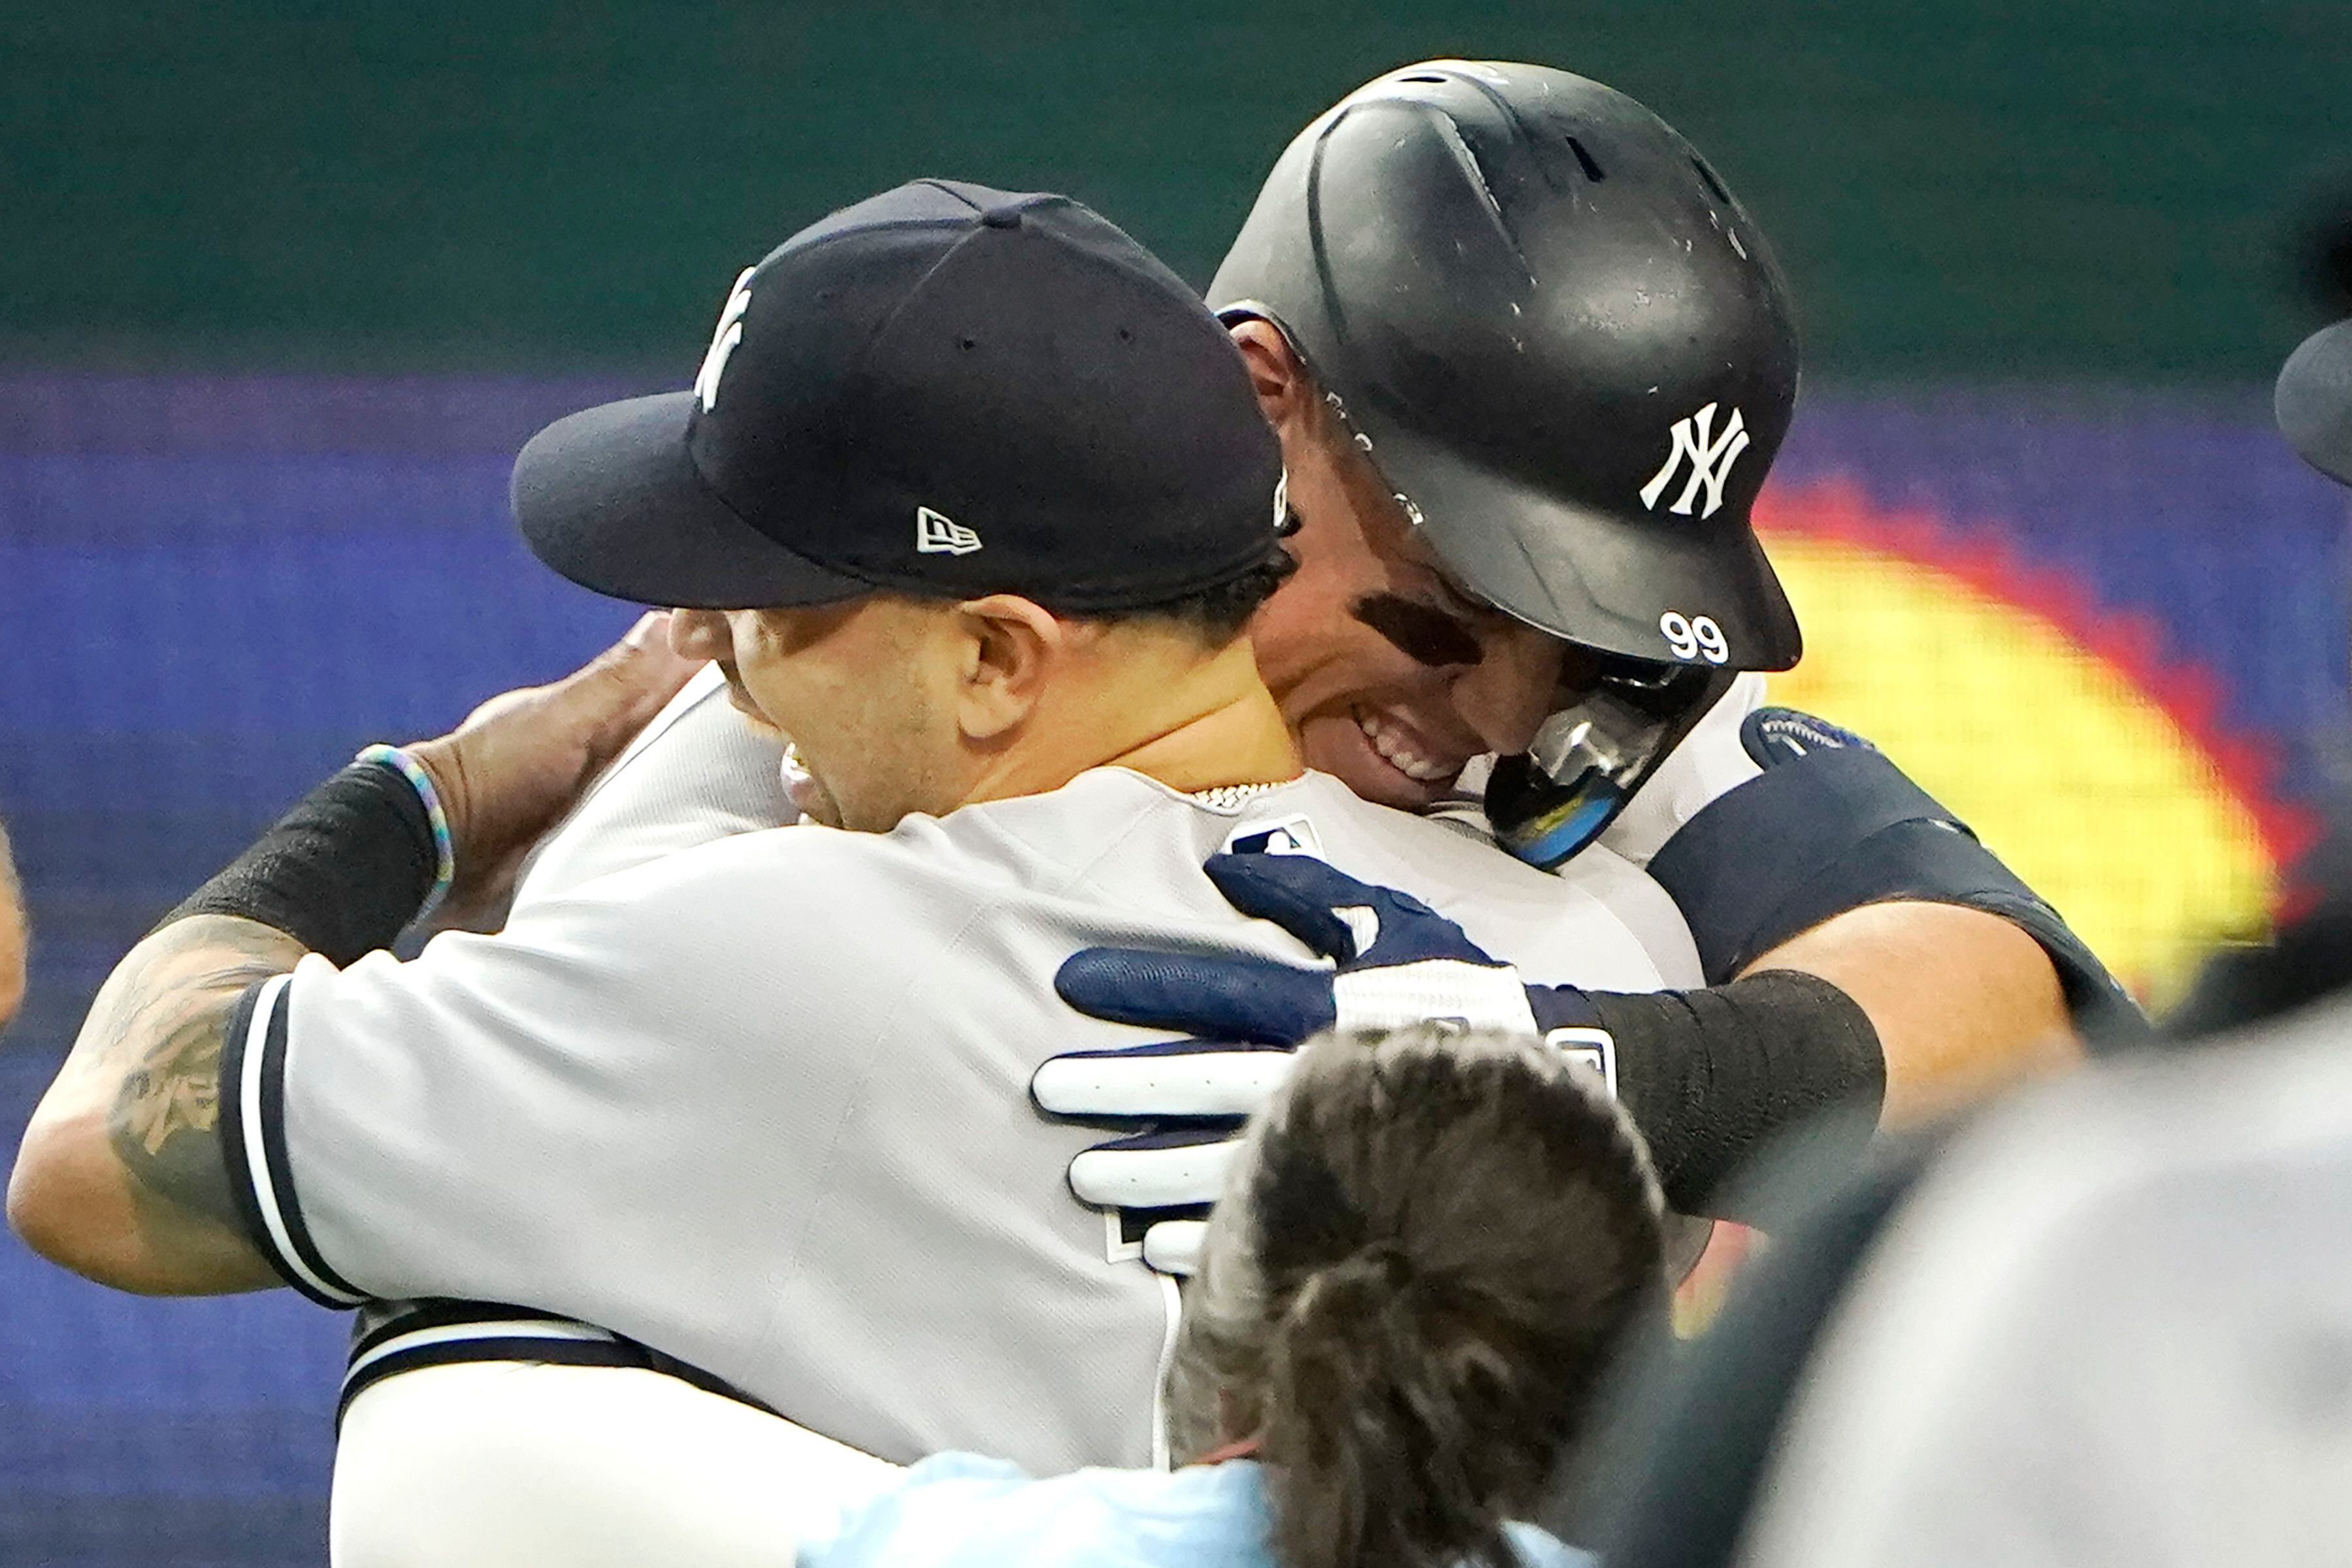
x,y
1213,724
1243,741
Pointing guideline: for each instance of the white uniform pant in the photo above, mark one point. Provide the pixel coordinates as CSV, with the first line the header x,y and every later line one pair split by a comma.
x,y
514,1465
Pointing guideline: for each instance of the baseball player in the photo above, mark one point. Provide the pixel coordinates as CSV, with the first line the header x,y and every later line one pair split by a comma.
x,y
1526,349
757,1111
1529,362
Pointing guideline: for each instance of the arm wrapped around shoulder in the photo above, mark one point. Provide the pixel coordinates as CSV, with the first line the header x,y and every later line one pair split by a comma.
x,y
343,873
1711,1076
1834,826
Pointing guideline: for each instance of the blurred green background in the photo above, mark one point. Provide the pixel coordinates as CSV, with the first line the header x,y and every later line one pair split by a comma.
x,y
1977,189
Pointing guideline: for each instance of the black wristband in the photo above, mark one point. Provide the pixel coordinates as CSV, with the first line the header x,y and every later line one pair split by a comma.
x,y
342,873
1710,1077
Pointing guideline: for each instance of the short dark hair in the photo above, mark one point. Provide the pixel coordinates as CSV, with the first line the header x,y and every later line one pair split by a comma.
x,y
1218,614
1427,1251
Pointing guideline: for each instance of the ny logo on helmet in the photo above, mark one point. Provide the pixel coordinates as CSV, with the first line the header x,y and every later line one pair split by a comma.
x,y
1711,456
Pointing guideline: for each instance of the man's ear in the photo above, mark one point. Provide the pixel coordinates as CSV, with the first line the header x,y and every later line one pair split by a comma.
x,y
1010,646
1285,395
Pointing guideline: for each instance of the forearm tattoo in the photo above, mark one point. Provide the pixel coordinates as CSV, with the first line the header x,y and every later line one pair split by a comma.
x,y
157,1033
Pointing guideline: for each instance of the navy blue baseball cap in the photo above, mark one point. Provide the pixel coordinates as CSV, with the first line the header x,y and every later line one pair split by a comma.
x,y
944,390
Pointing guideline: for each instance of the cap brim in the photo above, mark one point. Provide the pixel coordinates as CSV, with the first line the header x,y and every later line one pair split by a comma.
x,y
610,497
1599,581
2313,401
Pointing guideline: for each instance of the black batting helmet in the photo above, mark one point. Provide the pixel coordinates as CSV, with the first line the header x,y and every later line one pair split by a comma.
x,y
1563,343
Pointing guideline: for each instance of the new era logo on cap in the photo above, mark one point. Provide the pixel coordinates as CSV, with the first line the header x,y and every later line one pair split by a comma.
x,y
935,535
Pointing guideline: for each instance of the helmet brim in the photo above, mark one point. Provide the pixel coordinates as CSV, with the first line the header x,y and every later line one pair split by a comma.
x,y
1642,591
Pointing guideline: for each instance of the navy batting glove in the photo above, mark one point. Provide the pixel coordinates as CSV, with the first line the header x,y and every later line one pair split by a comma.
x,y
1395,962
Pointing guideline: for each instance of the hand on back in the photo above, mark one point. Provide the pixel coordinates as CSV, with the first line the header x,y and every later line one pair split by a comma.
x,y
521,759
1393,962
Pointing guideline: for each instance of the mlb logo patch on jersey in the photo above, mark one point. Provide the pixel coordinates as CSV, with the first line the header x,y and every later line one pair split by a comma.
x,y
1289,836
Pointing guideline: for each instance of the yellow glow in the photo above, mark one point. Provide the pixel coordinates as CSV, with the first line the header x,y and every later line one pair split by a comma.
x,y
2076,777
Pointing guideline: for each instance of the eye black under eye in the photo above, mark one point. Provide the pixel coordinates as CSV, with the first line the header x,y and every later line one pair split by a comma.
x,y
1423,633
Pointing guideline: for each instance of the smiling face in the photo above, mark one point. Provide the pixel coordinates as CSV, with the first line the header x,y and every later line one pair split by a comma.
x,y
859,688
1393,677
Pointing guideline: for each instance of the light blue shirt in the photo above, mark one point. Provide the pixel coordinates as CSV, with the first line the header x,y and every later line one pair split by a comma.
x,y
960,1511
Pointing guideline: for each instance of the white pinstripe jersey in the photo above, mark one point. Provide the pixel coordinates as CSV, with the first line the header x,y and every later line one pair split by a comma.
x,y
762,1105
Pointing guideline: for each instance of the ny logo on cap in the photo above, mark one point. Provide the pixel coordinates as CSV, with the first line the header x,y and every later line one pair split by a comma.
x,y
1711,456
938,535
723,340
